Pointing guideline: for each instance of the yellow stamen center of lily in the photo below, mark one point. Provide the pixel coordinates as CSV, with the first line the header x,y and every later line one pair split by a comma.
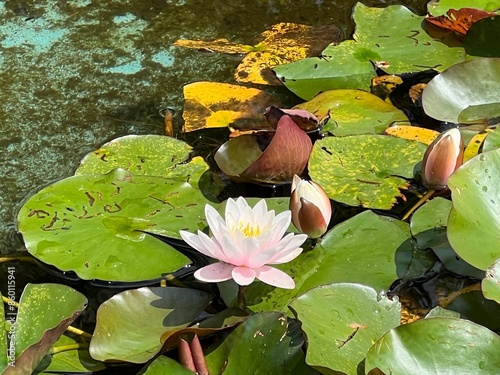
x,y
249,230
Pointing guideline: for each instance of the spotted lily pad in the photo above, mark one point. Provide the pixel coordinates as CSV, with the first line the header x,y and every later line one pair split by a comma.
x,y
353,112
98,225
391,38
148,155
365,170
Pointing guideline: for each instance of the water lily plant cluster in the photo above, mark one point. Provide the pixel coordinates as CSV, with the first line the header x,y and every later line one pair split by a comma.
x,y
379,242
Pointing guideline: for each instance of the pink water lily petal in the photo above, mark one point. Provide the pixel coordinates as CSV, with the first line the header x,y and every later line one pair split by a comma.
x,y
290,251
214,246
202,243
215,273
275,277
280,226
215,222
244,275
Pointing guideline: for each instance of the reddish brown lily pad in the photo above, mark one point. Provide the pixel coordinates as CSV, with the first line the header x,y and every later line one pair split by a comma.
x,y
460,20
287,154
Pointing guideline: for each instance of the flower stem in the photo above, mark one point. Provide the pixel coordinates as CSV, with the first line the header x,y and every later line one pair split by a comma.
x,y
242,297
422,200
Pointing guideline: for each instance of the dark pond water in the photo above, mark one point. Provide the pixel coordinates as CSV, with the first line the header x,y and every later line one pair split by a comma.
x,y
78,73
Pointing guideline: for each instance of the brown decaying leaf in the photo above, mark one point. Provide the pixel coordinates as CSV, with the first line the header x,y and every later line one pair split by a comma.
x,y
216,105
284,43
382,86
217,45
286,155
460,20
416,93
304,119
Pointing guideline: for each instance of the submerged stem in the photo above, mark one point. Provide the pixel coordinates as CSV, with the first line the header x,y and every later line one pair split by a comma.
x,y
242,297
422,200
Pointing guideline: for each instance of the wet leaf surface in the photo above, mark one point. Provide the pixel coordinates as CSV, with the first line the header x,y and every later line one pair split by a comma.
x,y
491,283
474,222
436,346
341,322
459,20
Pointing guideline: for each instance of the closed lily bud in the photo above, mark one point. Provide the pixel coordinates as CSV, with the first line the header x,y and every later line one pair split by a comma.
x,y
310,206
443,157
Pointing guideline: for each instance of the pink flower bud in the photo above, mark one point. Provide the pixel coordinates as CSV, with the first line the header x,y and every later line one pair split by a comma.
x,y
310,206
443,157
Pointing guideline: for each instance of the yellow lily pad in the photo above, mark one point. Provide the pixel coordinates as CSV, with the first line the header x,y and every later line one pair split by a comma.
x,y
218,105
413,133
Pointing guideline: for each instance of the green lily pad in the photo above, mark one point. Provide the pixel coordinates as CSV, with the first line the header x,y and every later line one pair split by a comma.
x,y
97,225
391,37
428,227
492,140
45,311
69,361
440,7
163,365
466,92
147,155
341,256
121,332
491,283
481,39
439,312
342,321
365,170
266,343
474,222
353,112
436,346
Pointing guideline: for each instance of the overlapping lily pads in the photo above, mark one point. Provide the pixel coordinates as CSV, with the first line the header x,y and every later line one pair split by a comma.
x,y
474,222
97,225
121,333
465,93
491,283
391,38
341,322
365,170
353,112
45,311
360,250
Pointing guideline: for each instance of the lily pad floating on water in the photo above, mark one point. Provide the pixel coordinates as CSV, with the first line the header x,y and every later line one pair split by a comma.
x,y
482,38
167,310
98,225
365,170
45,312
474,221
440,7
352,112
436,346
341,322
491,283
147,155
465,93
390,37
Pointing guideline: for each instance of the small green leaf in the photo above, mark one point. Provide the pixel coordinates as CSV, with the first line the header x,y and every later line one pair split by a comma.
x,y
163,365
491,283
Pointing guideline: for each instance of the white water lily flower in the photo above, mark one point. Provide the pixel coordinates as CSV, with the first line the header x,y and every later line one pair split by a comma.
x,y
245,243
